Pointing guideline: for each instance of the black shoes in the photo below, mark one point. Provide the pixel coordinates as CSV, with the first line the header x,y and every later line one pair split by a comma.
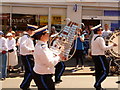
x,y
58,81
2,79
99,88
118,82
26,89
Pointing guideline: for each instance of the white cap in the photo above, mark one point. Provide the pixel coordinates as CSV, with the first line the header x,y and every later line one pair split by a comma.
x,y
9,34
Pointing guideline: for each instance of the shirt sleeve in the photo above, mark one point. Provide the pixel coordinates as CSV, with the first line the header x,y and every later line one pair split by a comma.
x,y
4,45
24,44
102,45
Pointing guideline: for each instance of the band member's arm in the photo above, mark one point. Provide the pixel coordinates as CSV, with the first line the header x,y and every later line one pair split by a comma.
x,y
24,45
102,44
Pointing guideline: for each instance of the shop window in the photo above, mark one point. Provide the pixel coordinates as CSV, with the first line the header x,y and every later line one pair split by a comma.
x,y
59,22
19,21
43,20
111,13
5,18
115,25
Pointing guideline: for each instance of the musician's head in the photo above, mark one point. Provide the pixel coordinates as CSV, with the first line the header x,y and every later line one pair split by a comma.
x,y
31,28
1,34
98,30
42,35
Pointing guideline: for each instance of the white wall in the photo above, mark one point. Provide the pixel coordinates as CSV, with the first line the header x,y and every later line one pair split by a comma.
x,y
59,0
30,10
74,16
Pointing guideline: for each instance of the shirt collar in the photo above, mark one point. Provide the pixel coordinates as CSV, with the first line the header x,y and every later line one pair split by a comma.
x,y
41,42
96,35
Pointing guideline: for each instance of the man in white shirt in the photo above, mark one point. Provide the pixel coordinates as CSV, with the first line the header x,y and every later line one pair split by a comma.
x,y
98,49
3,56
45,60
26,51
106,32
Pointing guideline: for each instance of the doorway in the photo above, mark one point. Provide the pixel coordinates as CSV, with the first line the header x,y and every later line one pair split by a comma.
x,y
88,22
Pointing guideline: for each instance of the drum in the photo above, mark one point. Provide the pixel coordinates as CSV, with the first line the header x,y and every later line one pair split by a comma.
x,y
114,38
114,53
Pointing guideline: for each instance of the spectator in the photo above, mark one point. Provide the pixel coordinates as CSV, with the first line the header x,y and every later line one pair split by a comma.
x,y
86,43
106,32
79,49
3,56
12,54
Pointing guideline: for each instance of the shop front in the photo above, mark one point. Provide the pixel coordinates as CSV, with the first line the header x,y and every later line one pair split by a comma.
x,y
18,17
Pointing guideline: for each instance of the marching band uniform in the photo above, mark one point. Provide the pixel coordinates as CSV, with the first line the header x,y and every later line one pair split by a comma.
x,y
98,49
3,56
26,51
59,69
45,60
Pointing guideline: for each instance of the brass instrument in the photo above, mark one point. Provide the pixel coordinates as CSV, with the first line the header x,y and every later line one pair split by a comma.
x,y
62,43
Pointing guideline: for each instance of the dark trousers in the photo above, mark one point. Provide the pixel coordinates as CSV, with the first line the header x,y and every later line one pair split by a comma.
x,y
44,82
59,69
79,55
101,69
28,64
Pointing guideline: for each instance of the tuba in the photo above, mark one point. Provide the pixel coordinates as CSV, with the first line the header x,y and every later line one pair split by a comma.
x,y
63,41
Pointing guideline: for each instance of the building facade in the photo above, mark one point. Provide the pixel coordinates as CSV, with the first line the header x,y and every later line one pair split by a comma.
x,y
18,14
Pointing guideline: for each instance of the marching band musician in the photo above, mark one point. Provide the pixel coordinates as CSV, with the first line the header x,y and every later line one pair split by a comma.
x,y
98,49
45,60
60,67
26,51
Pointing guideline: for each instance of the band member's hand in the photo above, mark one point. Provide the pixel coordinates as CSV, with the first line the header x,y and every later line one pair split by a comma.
x,y
62,56
115,44
31,50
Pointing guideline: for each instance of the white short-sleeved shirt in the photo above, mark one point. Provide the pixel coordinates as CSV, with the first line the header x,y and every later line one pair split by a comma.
x,y
26,45
98,46
3,44
45,60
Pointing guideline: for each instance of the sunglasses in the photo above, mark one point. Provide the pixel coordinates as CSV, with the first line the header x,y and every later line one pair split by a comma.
x,y
100,30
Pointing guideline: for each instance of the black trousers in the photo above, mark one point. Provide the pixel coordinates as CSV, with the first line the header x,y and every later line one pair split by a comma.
x,y
44,82
59,69
28,63
101,69
79,55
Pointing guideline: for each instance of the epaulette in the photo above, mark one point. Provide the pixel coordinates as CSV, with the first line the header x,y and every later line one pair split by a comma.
x,y
43,45
27,35
96,37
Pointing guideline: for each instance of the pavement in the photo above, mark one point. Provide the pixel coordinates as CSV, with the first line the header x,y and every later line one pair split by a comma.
x,y
69,70
72,70
69,82
73,78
